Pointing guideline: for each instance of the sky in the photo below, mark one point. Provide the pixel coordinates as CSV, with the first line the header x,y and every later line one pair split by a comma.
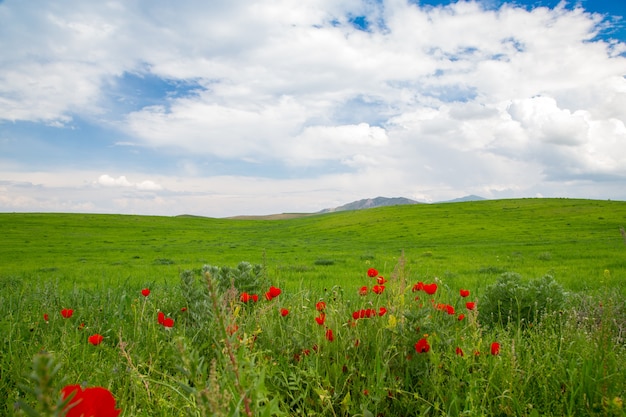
x,y
232,107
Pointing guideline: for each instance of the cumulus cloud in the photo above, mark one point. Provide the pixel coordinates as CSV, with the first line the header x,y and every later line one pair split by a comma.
x,y
121,181
415,100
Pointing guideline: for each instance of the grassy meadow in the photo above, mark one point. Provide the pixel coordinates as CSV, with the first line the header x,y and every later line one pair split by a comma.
x,y
560,340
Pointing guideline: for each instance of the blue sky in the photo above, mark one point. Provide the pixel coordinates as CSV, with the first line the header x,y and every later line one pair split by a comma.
x,y
225,108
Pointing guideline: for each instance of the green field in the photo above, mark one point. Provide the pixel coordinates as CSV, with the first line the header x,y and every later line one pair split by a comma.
x,y
574,240
227,357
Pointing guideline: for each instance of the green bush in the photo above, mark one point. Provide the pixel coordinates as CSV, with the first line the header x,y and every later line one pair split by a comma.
x,y
512,301
246,277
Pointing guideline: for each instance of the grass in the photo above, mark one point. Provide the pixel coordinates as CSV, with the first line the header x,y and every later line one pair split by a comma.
x,y
569,362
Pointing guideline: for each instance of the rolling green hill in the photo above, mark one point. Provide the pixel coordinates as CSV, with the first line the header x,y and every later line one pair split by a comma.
x,y
574,240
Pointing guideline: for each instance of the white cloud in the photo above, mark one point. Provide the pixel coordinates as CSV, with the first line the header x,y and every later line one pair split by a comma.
x,y
429,101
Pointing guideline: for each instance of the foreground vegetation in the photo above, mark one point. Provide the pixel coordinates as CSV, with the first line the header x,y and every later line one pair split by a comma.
x,y
544,337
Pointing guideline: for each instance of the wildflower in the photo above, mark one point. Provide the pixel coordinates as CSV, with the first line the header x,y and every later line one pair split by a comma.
x,y
320,306
470,305
183,309
329,335
430,289
255,297
145,292
245,297
378,289
272,293
320,319
67,313
422,346
95,339
459,351
372,273
418,287
91,402
450,309
461,317
495,348
168,322
284,312
382,311
160,317
464,293
45,317
363,290
381,280
81,326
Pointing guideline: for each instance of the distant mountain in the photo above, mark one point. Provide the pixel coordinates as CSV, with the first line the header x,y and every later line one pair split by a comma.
x,y
466,198
371,203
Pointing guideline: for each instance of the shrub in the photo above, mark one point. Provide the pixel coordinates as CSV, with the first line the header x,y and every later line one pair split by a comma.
x,y
511,301
246,277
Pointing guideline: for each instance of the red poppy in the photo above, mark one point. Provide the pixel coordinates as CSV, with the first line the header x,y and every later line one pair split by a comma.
x,y
168,322
363,290
382,311
145,292
430,289
255,297
67,312
95,339
378,289
381,280
272,293
91,402
470,305
495,348
418,287
45,316
372,272
160,317
320,306
422,346
244,297
461,317
183,309
320,319
464,293
450,309
459,351
329,335
284,312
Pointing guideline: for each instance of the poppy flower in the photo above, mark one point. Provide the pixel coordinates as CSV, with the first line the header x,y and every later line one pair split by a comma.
x,y
91,402
183,309
495,348
320,319
67,313
95,339
284,312
430,289
422,346
418,287
382,311
378,289
450,309
160,317
461,317
45,316
320,306
363,290
459,351
470,305
145,292
464,293
255,297
381,280
372,272
329,335
168,322
245,297
272,293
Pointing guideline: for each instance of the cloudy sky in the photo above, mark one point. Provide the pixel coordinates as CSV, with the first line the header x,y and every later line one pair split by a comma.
x,y
229,107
